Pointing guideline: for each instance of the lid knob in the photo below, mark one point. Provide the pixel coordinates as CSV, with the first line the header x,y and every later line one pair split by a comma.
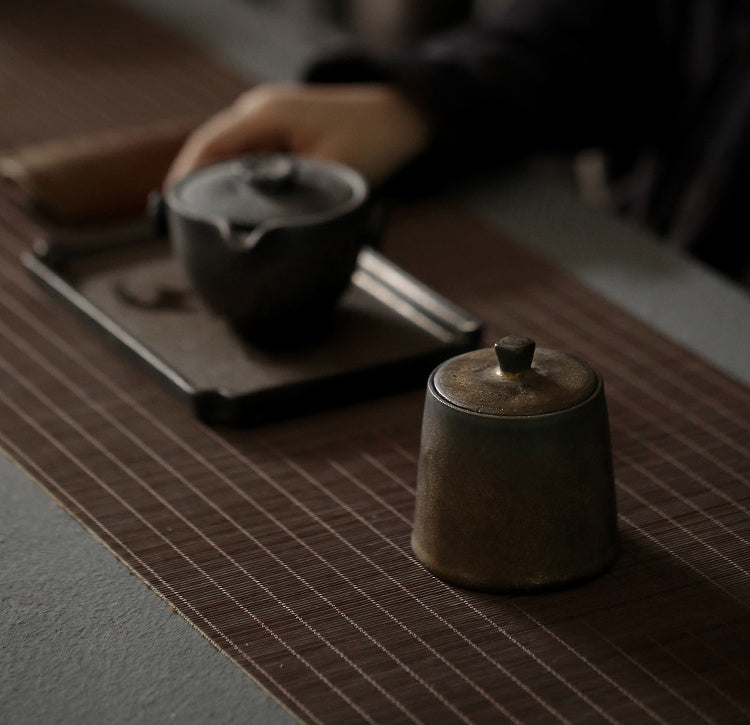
x,y
271,174
514,354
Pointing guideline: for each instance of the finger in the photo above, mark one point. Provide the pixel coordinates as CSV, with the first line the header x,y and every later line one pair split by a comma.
x,y
227,134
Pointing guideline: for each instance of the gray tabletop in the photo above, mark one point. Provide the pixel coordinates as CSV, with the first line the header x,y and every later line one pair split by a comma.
x,y
82,640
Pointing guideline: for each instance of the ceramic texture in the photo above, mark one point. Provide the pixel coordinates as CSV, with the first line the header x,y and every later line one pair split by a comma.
x,y
515,503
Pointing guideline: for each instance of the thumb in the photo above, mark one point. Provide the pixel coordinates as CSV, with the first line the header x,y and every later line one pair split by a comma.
x,y
227,134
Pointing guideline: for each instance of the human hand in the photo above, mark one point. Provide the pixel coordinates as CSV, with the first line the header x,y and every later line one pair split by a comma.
x,y
371,128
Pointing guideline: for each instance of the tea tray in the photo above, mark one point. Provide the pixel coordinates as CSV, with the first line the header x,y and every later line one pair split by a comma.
x,y
387,333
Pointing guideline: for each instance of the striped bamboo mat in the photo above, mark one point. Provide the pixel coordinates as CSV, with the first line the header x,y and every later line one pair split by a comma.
x,y
288,545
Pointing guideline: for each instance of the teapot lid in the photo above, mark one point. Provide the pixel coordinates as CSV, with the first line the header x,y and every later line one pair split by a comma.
x,y
277,187
504,382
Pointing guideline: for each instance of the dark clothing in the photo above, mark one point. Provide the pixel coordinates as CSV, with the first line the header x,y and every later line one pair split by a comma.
x,y
661,86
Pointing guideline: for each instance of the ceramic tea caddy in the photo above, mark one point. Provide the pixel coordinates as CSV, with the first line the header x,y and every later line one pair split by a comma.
x,y
515,489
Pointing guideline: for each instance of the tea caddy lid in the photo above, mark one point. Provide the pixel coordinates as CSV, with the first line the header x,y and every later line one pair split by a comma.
x,y
515,379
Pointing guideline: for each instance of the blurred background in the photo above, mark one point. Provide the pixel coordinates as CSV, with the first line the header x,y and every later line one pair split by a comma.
x,y
275,40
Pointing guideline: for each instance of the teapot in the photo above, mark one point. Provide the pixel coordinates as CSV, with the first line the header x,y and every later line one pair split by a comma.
x,y
515,485
268,240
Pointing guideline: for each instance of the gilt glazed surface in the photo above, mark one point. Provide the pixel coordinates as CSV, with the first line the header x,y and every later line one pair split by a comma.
x,y
515,504
473,381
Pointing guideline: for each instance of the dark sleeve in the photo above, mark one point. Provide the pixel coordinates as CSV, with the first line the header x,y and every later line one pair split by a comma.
x,y
543,75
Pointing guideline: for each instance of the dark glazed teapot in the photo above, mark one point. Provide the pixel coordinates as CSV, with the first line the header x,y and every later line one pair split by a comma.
x,y
515,489
269,240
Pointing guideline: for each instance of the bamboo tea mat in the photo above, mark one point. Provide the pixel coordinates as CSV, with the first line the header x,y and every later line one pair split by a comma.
x,y
288,545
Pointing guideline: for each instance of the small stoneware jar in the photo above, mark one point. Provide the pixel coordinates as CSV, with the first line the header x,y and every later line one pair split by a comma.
x,y
515,490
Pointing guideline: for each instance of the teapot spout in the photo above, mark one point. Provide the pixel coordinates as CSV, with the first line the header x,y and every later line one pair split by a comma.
x,y
242,240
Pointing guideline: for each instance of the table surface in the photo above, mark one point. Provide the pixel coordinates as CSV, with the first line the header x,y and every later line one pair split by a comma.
x,y
81,637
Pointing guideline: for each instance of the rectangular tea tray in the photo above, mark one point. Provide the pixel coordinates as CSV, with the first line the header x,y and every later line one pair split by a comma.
x,y
387,333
